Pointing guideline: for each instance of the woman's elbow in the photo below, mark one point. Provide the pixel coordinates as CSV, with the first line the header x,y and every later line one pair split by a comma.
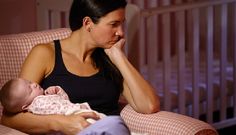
x,y
154,105
150,108
153,108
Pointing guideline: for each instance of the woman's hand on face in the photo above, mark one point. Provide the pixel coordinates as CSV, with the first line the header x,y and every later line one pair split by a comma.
x,y
116,50
77,122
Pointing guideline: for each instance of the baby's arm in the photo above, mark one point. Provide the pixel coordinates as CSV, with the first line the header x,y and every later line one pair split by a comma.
x,y
56,90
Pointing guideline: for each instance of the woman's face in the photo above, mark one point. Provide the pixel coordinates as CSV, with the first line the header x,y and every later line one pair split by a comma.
x,y
109,29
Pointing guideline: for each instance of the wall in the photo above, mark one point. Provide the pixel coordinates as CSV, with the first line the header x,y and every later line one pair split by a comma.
x,y
17,16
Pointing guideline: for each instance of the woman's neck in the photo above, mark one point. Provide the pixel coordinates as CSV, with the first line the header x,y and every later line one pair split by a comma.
x,y
78,44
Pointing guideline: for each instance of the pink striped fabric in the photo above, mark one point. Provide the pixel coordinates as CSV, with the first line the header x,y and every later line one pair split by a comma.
x,y
14,48
165,123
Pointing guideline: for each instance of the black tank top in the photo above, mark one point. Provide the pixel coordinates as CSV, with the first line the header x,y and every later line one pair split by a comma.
x,y
101,94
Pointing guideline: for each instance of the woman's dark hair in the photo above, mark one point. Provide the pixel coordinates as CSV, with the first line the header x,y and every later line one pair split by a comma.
x,y
95,9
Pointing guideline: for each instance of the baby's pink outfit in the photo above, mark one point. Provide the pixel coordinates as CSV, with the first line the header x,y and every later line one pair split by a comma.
x,y
58,104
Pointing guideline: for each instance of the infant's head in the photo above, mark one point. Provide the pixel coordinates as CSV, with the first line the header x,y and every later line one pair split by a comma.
x,y
18,93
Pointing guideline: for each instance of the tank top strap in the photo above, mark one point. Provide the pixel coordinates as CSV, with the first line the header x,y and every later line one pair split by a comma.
x,y
59,66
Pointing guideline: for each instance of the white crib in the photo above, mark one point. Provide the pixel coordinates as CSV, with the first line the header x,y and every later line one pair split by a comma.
x,y
187,51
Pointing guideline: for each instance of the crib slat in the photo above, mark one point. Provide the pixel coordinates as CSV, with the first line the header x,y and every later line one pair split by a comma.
x,y
165,32
223,61
180,43
132,14
55,20
63,19
67,18
152,47
234,52
142,51
209,63
166,60
142,33
193,48
194,36
179,38
42,15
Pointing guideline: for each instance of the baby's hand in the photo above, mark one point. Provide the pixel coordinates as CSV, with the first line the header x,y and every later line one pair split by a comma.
x,y
52,90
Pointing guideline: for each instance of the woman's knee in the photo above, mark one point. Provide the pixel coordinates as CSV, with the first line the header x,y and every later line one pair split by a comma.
x,y
111,125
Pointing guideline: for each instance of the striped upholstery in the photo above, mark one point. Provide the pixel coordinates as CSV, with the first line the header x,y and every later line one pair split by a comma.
x,y
14,49
165,123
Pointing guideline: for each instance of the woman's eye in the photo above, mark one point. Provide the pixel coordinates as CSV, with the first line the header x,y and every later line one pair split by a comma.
x,y
114,24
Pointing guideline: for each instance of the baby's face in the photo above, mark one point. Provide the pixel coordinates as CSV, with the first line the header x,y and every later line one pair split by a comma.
x,y
30,90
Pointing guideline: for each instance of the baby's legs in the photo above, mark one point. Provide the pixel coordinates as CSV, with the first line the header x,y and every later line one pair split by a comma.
x,y
111,125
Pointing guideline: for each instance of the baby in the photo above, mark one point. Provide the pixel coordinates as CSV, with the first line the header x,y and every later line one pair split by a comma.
x,y
19,95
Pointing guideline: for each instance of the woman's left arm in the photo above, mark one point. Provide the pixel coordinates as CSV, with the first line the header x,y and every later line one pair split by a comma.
x,y
137,91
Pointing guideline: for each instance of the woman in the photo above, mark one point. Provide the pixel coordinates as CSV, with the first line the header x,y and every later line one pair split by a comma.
x,y
90,65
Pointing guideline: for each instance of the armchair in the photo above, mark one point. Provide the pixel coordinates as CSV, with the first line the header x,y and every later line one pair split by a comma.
x,y
13,50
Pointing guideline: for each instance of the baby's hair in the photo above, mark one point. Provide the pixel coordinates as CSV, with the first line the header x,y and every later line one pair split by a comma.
x,y
6,93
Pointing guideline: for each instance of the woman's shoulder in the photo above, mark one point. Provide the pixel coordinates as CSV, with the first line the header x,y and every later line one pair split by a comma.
x,y
43,49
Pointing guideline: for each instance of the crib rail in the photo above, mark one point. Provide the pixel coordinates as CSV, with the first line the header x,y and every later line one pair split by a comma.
x,y
185,40
181,7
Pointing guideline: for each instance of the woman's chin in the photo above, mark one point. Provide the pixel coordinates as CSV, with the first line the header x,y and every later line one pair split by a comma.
x,y
108,46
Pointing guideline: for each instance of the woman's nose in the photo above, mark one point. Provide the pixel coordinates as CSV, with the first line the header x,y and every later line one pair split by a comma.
x,y
120,32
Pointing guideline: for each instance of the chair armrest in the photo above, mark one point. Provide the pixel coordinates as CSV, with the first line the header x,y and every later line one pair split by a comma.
x,y
165,123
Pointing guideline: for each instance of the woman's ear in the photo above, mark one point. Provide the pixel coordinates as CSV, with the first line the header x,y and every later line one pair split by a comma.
x,y
87,23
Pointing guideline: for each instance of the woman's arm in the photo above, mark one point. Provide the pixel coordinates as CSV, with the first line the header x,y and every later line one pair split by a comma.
x,y
29,123
39,63
34,124
138,92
